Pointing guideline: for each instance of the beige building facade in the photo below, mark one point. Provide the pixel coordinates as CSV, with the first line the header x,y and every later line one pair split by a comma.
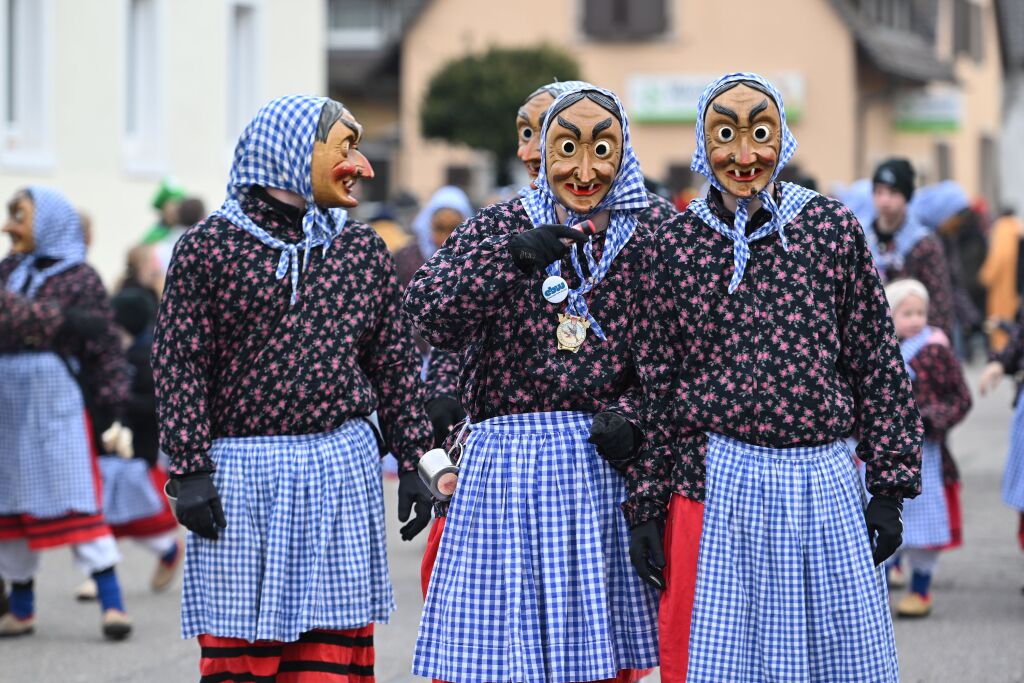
x,y
101,99
863,79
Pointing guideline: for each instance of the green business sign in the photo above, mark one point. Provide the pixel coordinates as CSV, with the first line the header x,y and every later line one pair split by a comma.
x,y
672,98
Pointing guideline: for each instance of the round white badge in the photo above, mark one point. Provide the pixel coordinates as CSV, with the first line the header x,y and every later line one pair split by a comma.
x,y
555,289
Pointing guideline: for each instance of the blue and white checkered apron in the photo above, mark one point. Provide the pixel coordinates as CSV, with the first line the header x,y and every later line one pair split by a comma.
x,y
45,458
304,547
786,588
128,492
1013,478
926,517
533,580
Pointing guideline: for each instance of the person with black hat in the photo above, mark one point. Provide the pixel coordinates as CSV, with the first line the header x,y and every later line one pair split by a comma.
x,y
904,248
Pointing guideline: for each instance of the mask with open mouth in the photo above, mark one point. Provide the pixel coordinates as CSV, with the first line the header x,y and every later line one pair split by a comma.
x,y
583,152
337,162
743,137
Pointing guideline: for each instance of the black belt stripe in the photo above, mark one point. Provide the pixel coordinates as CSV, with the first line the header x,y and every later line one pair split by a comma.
x,y
324,638
326,667
228,677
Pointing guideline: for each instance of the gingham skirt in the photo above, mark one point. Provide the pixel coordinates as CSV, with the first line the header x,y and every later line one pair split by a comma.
x,y
533,580
46,467
304,547
128,492
1013,478
926,517
786,588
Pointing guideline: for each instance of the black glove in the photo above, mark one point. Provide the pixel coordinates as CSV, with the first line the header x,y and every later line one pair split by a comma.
x,y
647,553
412,491
444,413
198,506
539,247
615,438
883,518
81,325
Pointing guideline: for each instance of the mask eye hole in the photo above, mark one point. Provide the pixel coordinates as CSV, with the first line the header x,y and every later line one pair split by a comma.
x,y
726,134
527,133
568,147
762,133
602,149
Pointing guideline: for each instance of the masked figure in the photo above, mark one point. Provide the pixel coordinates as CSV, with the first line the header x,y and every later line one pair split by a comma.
x,y
766,341
278,335
535,514
904,248
62,370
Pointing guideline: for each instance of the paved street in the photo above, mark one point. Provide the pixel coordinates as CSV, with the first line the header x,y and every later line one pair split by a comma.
x,y
976,632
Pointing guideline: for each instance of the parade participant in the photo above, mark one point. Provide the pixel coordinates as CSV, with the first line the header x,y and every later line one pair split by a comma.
x,y
999,275
166,202
532,580
133,480
278,335
49,484
1010,361
931,522
904,248
766,339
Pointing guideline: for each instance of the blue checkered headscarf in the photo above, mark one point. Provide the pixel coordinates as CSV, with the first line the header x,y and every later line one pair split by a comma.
x,y
903,242
626,196
276,150
933,205
792,197
57,233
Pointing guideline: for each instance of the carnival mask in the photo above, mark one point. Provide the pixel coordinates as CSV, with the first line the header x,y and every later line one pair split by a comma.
x,y
583,153
20,221
743,136
528,123
337,161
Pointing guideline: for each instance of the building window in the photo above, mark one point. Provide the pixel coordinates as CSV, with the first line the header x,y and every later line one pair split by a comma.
x,y
988,159
143,94
624,19
25,83
244,66
943,160
968,29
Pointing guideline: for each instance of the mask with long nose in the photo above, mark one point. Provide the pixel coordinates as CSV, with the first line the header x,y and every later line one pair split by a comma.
x,y
337,162
582,155
743,135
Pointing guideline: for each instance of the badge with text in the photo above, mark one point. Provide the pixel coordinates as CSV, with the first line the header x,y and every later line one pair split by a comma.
x,y
555,289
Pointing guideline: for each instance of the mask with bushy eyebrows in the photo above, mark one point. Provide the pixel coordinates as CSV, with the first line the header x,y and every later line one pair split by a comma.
x,y
743,137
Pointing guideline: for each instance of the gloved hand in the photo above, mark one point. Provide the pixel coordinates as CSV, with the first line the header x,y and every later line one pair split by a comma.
x,y
883,518
539,247
81,325
615,438
198,507
412,491
647,552
118,440
444,413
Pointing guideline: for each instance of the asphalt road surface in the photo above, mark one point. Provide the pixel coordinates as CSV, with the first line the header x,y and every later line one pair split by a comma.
x,y
975,633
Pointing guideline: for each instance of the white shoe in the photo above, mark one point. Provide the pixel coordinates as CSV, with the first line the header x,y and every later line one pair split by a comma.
x,y
86,591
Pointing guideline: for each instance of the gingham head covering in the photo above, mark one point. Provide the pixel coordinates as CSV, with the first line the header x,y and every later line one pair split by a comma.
x,y
276,150
57,233
793,197
933,205
626,196
906,238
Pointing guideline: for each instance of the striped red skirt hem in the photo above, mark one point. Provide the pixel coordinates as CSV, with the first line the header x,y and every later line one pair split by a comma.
x,y
320,656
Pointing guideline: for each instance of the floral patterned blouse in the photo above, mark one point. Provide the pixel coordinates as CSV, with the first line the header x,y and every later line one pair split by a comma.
x,y
802,353
231,357
928,264
31,324
445,367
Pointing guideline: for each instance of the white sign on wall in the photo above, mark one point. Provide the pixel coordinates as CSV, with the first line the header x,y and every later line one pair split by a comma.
x,y
672,98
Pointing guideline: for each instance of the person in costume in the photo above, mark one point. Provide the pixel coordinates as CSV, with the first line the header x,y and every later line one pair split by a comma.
x,y
133,480
278,336
765,340
999,274
55,386
932,520
166,201
1010,361
532,581
904,248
